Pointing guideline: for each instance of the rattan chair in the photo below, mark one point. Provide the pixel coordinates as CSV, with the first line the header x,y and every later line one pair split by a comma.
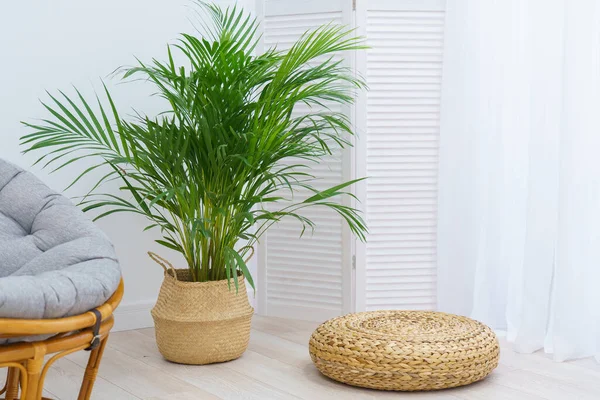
x,y
25,360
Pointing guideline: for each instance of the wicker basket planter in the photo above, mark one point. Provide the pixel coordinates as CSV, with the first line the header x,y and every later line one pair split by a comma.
x,y
201,322
404,350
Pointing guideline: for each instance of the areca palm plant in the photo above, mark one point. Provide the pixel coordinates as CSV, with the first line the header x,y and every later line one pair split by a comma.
x,y
221,164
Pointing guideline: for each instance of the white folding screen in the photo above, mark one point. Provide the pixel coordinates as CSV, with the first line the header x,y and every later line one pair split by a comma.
x,y
398,151
397,122
308,277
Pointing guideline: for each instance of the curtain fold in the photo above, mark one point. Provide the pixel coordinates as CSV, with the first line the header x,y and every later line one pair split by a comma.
x,y
519,190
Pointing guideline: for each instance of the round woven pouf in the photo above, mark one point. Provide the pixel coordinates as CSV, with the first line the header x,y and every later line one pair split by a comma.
x,y
404,350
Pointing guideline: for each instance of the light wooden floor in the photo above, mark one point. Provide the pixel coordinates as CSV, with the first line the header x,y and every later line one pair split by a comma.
x,y
277,366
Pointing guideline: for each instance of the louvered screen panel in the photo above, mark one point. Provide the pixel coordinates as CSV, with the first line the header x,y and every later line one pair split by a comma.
x,y
404,72
305,277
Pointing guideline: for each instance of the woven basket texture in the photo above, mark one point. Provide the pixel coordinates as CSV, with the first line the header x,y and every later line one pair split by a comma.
x,y
404,350
201,322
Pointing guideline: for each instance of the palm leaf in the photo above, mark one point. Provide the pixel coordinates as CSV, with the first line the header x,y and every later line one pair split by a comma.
x,y
225,158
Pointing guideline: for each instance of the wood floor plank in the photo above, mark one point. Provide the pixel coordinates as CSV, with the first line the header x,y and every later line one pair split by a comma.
x,y
215,379
299,337
229,384
134,376
146,331
489,390
533,384
294,331
65,377
589,363
45,392
570,374
305,381
195,395
277,366
275,347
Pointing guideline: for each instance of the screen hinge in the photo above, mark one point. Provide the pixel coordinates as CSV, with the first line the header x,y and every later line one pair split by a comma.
x,y
353,5
353,262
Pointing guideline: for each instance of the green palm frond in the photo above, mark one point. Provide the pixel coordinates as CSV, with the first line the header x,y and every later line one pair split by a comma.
x,y
220,165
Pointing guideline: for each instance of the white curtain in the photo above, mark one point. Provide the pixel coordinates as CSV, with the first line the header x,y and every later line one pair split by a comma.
x,y
519,202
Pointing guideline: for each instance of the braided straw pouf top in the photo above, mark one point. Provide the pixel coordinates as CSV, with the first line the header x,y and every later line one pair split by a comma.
x,y
404,350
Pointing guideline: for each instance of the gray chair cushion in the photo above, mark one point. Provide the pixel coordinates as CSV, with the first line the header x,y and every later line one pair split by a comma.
x,y
54,261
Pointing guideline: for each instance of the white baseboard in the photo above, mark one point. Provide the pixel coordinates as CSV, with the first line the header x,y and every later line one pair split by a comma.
x,y
137,315
133,316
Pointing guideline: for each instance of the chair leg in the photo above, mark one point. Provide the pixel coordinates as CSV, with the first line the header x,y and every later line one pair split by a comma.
x,y
34,373
12,384
91,370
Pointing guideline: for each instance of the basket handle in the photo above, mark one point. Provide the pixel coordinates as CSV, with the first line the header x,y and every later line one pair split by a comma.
x,y
251,253
167,266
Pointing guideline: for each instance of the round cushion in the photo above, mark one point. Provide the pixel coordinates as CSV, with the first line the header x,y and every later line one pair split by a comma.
x,y
404,350
54,261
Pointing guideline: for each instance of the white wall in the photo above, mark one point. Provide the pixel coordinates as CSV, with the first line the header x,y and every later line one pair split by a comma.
x,y
50,45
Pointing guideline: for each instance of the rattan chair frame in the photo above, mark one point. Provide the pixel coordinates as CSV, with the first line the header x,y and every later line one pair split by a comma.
x,y
25,360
